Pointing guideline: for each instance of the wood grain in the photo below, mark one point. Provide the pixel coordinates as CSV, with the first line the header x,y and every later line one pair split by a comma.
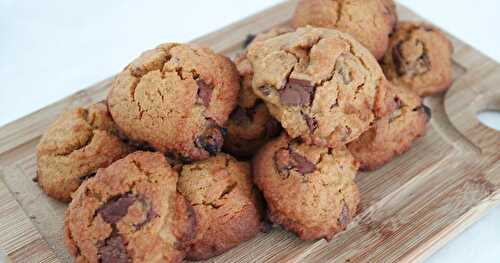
x,y
409,208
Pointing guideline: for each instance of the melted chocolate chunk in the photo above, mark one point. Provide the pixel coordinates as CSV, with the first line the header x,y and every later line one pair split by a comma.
x,y
204,92
397,57
398,103
249,39
116,208
344,216
301,164
88,176
297,92
211,141
287,159
428,112
312,123
113,249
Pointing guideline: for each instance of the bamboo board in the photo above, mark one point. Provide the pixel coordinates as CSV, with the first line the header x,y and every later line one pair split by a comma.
x,y
409,208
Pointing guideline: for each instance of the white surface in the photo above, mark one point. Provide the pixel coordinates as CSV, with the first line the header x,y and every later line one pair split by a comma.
x,y
50,49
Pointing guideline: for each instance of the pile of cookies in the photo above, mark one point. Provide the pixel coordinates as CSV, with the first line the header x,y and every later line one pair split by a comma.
x,y
192,153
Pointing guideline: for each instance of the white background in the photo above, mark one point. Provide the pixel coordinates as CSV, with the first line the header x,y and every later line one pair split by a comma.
x,y
50,49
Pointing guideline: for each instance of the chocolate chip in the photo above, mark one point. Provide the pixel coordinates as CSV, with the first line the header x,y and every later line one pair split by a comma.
x,y
88,176
413,67
248,40
397,57
428,112
204,92
301,164
344,216
297,92
398,103
287,159
113,249
211,140
116,208
312,123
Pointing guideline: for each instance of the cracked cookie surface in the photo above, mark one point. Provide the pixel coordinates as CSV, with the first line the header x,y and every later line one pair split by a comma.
x,y
369,21
176,98
78,143
419,58
250,125
321,85
221,191
310,190
130,212
393,134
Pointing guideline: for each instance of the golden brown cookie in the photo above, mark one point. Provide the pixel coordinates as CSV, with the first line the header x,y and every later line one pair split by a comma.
x,y
130,212
176,98
419,58
221,191
369,21
78,143
321,84
393,134
310,190
250,125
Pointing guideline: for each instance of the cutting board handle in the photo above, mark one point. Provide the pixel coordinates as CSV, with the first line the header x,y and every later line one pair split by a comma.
x,y
465,100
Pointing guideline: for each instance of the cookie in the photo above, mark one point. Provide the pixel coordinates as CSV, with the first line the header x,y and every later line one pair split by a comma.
x,y
130,212
221,191
393,134
176,98
310,190
419,58
320,84
369,21
250,125
78,143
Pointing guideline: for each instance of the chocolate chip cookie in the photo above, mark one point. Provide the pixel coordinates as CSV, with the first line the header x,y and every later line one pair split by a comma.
x,y
130,212
369,21
78,143
321,84
393,134
310,190
419,58
176,98
250,125
221,191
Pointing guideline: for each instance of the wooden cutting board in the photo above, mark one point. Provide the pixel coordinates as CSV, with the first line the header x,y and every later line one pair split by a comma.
x,y
409,208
